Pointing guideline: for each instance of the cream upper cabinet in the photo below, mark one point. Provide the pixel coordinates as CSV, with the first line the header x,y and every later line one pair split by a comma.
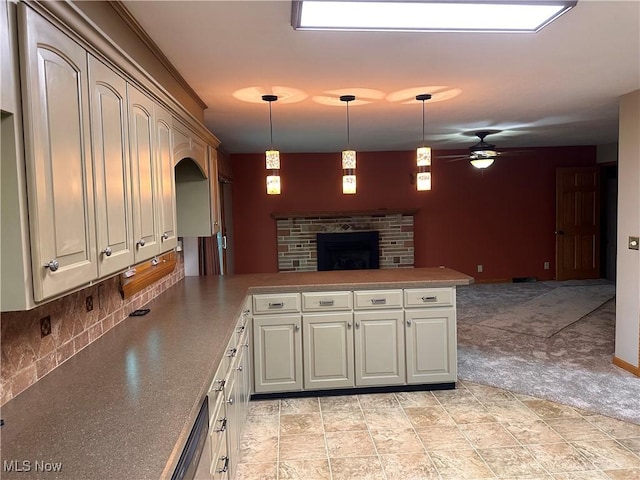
x,y
58,157
166,180
111,168
143,175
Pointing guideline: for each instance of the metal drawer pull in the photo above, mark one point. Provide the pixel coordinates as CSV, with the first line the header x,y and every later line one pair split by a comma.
x,y
408,322
297,327
357,324
219,385
429,299
141,242
225,466
246,312
230,401
107,251
223,425
327,303
232,352
240,368
378,301
52,265
240,329
165,236
348,324
276,304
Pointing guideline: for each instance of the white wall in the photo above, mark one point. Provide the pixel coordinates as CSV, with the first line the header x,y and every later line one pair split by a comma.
x,y
628,264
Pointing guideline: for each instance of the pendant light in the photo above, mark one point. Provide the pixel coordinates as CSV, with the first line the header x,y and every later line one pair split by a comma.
x,y
272,156
423,155
348,157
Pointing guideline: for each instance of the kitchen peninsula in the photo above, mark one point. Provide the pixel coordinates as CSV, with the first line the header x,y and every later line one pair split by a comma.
x,y
124,406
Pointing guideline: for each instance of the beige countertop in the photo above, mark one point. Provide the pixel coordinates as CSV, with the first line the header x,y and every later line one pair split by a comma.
x,y
123,407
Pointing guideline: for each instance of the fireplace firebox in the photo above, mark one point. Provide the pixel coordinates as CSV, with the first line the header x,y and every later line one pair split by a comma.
x,y
348,251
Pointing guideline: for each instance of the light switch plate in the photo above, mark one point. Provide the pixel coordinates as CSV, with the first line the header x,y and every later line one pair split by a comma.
x,y
634,243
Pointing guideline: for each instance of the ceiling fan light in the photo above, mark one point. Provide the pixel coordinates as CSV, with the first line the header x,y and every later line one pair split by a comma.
x,y
482,163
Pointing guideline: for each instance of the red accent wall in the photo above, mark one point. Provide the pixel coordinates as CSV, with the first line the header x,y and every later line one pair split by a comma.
x,y
502,217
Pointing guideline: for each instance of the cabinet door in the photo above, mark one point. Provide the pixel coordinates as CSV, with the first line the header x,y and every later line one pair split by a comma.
x,y
166,179
143,175
233,421
277,353
114,234
431,345
58,158
379,348
328,350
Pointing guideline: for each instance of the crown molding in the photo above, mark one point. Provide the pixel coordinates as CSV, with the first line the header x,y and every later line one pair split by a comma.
x,y
135,26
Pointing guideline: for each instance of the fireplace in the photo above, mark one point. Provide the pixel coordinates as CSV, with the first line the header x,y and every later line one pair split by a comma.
x,y
348,251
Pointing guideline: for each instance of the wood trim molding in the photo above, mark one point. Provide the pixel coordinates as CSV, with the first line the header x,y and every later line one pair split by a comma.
x,y
626,366
347,213
130,20
147,273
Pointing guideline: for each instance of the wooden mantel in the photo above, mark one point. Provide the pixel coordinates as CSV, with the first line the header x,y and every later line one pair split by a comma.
x,y
347,213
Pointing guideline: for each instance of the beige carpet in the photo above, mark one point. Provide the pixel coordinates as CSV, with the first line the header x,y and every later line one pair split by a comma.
x,y
551,312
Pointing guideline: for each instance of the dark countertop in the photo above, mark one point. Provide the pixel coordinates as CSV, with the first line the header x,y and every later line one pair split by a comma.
x,y
123,407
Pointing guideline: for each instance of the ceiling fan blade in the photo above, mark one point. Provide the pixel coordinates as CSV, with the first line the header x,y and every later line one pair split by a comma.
x,y
452,156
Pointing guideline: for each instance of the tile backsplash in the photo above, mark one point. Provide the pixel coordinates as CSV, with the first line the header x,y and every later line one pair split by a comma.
x,y
27,356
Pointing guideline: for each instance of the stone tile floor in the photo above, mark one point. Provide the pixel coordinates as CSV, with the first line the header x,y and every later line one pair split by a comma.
x,y
472,432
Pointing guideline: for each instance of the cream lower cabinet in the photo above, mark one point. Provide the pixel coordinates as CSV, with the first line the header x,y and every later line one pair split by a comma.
x,y
277,353
228,401
379,348
431,346
328,350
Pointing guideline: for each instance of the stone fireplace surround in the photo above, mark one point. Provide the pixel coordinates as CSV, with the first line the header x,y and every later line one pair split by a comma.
x,y
296,232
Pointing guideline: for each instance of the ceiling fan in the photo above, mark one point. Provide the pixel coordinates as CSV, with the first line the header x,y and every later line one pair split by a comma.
x,y
482,154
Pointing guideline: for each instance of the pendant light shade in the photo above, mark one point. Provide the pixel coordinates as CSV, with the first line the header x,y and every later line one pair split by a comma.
x,y
348,157
423,155
272,156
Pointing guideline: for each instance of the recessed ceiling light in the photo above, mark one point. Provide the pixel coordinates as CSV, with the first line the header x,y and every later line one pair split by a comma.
x,y
428,16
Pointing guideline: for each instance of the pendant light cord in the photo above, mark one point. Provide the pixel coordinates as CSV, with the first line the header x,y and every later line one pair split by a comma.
x,y
271,126
348,142
423,123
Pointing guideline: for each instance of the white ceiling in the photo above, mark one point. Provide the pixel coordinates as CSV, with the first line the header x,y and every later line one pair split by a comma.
x,y
557,87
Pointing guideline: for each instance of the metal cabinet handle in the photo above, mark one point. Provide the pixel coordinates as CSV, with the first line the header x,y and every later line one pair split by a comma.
x,y
408,322
240,329
165,236
327,303
276,304
52,265
141,242
223,425
378,301
348,324
240,368
232,352
246,312
230,401
107,251
297,327
219,385
225,466
357,324
429,299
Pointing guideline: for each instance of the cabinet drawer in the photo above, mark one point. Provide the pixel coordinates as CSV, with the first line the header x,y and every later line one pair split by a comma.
x,y
276,303
368,299
428,297
320,301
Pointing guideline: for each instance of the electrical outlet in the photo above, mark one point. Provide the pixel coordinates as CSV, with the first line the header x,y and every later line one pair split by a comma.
x,y
45,326
480,268
89,303
546,265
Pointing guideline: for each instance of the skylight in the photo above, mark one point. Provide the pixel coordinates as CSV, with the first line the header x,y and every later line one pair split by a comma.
x,y
424,16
